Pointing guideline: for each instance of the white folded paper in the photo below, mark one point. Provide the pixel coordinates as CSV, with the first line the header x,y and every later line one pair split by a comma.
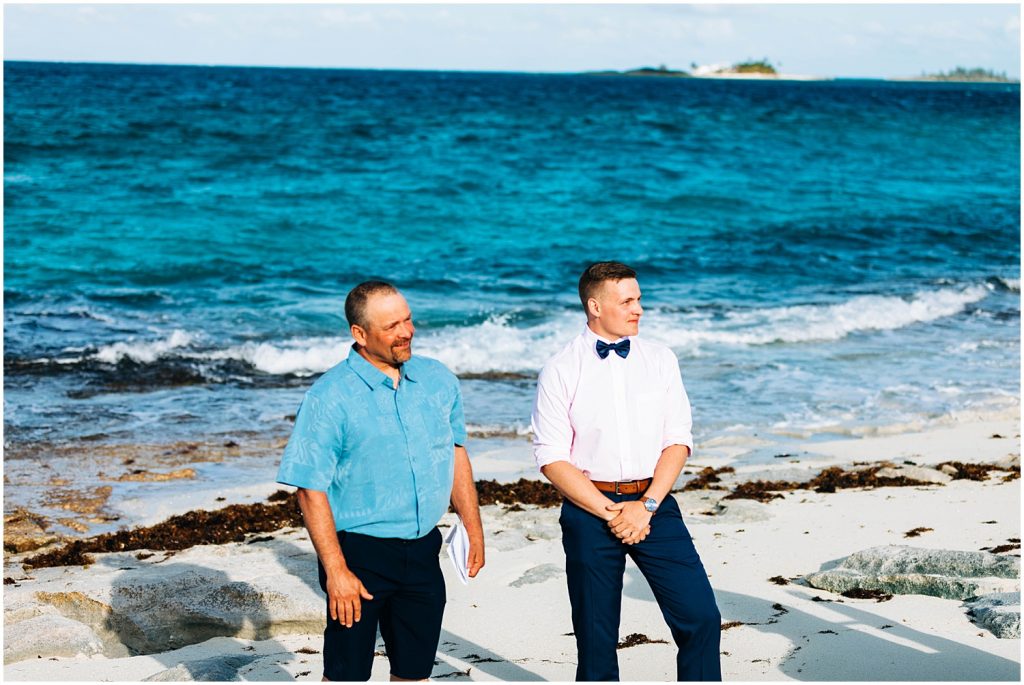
x,y
458,550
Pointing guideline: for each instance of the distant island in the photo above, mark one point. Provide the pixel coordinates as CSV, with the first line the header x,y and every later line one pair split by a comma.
x,y
643,71
764,69
762,66
961,74
749,69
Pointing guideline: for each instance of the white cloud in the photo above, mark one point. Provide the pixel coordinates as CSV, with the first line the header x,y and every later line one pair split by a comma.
x,y
875,28
716,29
193,19
1012,26
592,34
339,16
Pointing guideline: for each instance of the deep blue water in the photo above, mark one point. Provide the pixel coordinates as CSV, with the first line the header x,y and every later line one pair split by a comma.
x,y
823,256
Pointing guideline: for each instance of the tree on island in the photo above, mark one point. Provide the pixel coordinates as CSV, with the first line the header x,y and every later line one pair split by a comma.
x,y
660,70
964,74
751,67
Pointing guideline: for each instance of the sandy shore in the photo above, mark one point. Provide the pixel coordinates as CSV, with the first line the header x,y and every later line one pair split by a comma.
x,y
252,610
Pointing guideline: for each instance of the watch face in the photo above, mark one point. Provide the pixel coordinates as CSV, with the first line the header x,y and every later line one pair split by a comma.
x,y
650,504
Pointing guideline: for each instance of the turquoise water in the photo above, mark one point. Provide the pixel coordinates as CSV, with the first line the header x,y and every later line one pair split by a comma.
x,y
823,257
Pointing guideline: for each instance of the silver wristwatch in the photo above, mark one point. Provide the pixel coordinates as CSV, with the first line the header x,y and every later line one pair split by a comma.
x,y
650,504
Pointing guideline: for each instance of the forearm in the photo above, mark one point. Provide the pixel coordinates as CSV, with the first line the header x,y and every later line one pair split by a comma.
x,y
573,484
464,498
670,463
316,512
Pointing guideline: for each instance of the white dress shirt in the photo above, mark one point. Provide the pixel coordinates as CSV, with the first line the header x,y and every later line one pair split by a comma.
x,y
611,417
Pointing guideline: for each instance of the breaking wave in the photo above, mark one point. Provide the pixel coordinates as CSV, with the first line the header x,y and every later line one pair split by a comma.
x,y
498,349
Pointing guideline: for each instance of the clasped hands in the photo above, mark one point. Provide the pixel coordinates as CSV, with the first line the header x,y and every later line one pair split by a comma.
x,y
632,522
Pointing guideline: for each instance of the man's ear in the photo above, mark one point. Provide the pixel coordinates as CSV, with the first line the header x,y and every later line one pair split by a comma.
x,y
594,307
359,334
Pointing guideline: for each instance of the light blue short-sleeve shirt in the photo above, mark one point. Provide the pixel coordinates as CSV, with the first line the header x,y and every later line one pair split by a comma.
x,y
384,456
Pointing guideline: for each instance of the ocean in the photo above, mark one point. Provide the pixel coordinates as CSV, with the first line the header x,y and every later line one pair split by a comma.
x,y
825,258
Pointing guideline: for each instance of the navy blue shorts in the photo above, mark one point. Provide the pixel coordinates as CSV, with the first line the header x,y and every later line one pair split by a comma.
x,y
404,577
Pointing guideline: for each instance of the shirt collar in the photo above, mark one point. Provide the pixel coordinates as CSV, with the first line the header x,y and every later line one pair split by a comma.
x,y
591,337
370,374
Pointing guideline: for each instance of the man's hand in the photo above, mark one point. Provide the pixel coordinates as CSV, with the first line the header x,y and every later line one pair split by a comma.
x,y
632,524
464,499
476,554
345,593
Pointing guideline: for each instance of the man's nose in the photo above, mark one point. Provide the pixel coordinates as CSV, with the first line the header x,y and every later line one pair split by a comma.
x,y
409,329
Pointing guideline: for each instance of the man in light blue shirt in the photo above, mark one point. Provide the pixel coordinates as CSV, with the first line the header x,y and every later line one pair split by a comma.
x,y
377,454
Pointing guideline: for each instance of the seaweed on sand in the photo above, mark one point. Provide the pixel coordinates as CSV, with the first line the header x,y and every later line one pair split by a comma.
x,y
230,524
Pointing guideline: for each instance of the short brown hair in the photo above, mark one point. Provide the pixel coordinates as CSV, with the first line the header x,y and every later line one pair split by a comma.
x,y
355,302
598,273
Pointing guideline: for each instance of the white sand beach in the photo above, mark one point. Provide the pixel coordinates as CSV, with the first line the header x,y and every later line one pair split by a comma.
x,y
252,611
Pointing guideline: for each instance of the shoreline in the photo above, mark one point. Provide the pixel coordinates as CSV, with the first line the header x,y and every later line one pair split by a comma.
x,y
246,609
125,486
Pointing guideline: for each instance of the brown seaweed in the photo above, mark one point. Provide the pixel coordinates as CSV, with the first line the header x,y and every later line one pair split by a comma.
x,y
865,593
230,524
522,491
705,478
634,639
963,471
828,480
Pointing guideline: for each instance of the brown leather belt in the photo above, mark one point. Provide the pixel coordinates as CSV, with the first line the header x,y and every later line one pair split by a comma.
x,y
623,487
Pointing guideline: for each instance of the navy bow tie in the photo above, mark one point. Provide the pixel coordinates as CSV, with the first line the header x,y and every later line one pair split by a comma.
x,y
621,348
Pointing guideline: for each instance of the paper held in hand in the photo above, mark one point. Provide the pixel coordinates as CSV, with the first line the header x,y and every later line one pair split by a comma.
x,y
458,550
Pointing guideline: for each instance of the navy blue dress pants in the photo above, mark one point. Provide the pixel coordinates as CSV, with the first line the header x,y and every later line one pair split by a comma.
x,y
595,562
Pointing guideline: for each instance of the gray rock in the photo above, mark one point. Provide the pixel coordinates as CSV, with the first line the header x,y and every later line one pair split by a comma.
x,y
143,607
921,473
899,569
49,636
196,604
999,613
897,559
214,669
538,574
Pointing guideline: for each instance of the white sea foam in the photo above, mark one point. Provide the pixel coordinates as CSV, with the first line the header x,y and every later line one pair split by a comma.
x,y
301,357
144,352
498,345
815,323
495,345
1012,284
496,430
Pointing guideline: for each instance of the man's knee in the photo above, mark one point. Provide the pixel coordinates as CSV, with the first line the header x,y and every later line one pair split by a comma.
x,y
711,618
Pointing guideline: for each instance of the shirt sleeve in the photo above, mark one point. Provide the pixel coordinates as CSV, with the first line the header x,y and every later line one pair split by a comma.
x,y
678,420
456,418
313,451
552,430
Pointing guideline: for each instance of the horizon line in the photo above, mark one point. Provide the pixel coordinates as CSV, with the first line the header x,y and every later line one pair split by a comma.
x,y
1012,79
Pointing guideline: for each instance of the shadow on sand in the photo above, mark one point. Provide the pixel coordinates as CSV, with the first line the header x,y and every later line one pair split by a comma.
x,y
482,658
165,611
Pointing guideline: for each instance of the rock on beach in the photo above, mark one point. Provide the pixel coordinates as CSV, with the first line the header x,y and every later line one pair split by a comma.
x,y
951,574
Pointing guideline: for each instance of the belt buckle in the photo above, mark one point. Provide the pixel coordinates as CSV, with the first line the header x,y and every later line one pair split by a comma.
x,y
618,483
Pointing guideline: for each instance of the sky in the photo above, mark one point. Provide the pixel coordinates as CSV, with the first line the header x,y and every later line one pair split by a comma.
x,y
847,40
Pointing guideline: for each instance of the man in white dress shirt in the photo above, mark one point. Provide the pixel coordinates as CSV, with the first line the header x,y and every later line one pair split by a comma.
x,y
611,427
